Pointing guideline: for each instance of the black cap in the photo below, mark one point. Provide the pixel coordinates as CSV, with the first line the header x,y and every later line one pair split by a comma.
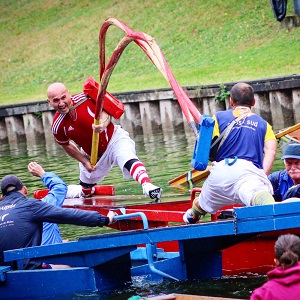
x,y
10,181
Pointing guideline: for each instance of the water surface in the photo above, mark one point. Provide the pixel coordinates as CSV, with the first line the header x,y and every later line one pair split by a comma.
x,y
165,155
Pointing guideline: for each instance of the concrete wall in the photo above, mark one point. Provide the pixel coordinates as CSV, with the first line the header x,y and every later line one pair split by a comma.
x,y
150,111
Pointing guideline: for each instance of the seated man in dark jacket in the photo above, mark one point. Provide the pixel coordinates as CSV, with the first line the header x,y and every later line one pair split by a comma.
x,y
286,183
21,218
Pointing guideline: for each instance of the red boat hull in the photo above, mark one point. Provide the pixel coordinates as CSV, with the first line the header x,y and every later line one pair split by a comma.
x,y
255,255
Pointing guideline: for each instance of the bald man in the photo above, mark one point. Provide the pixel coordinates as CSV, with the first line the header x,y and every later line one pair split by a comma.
x,y
73,126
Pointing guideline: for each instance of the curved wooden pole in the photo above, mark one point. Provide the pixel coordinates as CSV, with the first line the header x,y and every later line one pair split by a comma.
x,y
149,46
101,93
152,50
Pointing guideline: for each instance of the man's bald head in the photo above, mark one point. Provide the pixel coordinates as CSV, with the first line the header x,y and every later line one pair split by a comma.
x,y
58,96
56,87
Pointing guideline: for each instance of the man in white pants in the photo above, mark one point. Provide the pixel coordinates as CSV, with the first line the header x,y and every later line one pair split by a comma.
x,y
242,162
74,120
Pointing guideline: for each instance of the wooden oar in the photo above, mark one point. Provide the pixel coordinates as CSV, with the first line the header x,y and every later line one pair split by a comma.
x,y
284,132
192,177
189,179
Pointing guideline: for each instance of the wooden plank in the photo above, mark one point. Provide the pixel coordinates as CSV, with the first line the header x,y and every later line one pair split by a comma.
x,y
287,131
190,178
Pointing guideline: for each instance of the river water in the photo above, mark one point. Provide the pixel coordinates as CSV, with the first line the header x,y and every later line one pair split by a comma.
x,y
165,155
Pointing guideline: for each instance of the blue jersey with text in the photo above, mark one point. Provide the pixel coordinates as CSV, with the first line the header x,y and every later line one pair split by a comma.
x,y
246,138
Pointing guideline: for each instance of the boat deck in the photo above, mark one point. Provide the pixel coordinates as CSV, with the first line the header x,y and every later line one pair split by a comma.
x,y
98,257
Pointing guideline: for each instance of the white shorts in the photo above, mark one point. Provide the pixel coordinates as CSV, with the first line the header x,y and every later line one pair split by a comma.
x,y
120,149
235,184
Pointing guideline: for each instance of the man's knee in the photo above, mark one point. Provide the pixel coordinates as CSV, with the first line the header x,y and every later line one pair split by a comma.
x,y
263,198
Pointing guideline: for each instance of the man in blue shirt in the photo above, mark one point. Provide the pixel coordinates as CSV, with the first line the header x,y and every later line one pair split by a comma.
x,y
286,183
56,196
243,159
22,218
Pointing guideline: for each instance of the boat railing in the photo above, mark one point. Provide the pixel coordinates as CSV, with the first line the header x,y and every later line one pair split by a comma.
x,y
149,247
132,215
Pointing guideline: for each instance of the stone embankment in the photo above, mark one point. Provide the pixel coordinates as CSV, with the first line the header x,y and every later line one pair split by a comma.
x,y
150,111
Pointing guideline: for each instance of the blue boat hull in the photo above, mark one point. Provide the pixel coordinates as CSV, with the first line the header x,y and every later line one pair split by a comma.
x,y
108,261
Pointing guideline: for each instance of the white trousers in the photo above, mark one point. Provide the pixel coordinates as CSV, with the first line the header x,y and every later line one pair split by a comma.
x,y
120,149
227,185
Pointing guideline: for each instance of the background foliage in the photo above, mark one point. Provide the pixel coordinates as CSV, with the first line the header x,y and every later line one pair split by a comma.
x,y
203,41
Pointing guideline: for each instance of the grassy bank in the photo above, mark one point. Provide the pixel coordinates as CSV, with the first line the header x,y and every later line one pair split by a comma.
x,y
203,41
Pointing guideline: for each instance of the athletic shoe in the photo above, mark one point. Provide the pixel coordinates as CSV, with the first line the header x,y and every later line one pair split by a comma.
x,y
189,218
153,191
88,192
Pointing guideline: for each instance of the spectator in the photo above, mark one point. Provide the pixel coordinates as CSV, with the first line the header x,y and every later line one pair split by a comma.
x,y
284,281
56,196
286,183
244,157
74,120
21,219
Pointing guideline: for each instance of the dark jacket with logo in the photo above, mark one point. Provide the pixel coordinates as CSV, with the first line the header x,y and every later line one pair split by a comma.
x,y
21,221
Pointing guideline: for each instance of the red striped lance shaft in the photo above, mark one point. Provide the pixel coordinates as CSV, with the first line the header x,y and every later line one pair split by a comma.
x,y
149,46
101,93
152,50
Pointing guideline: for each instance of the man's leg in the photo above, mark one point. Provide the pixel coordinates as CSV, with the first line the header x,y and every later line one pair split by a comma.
x,y
138,172
263,198
87,189
194,214
255,192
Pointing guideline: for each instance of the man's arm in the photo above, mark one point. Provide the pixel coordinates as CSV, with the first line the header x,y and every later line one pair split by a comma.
x,y
57,187
72,150
45,212
275,179
104,121
278,184
270,148
293,192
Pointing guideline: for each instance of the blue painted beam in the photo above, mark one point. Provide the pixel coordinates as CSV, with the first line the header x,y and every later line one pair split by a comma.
x,y
3,271
258,219
122,239
267,211
199,255
247,220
